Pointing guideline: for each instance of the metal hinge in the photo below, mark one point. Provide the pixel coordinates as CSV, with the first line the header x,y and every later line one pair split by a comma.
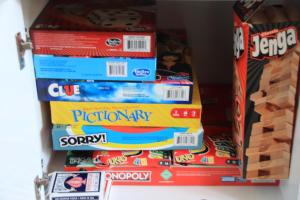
x,y
22,47
40,183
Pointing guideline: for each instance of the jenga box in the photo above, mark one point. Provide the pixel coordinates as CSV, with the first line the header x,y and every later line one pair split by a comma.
x,y
266,67
95,28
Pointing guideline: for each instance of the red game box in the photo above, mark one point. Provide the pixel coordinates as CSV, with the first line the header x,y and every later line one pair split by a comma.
x,y
95,28
164,176
137,158
266,86
218,150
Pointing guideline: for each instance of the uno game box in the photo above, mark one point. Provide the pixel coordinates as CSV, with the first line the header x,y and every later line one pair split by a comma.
x,y
266,67
78,137
139,158
174,63
218,149
96,28
173,175
129,114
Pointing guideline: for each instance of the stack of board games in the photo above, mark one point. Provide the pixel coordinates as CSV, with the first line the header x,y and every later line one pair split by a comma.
x,y
266,68
115,84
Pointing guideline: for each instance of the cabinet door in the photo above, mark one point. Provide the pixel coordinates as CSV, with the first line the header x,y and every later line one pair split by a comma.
x,y
20,112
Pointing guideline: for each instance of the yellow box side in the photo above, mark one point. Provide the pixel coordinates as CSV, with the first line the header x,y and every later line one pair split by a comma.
x,y
148,115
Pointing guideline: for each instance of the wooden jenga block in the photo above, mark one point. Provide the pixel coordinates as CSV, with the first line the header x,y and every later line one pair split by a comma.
x,y
265,107
283,99
281,136
280,172
275,147
285,115
269,126
276,87
262,158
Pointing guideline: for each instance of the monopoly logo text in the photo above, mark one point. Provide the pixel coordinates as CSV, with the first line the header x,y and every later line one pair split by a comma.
x,y
130,176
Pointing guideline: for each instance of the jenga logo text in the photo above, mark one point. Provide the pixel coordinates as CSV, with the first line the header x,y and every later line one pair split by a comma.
x,y
273,43
238,39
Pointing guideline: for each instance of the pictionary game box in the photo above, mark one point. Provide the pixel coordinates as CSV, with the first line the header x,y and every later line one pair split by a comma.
x,y
136,158
129,114
78,137
174,63
95,28
99,68
218,149
163,175
266,69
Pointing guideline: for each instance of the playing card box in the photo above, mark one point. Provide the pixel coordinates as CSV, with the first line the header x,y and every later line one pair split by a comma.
x,y
266,66
76,185
95,28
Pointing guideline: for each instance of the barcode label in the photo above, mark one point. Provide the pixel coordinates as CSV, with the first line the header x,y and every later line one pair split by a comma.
x,y
136,43
116,69
185,139
176,93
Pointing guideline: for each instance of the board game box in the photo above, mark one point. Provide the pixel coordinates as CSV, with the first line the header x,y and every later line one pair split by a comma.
x,y
129,114
96,28
78,137
266,67
163,176
99,68
174,63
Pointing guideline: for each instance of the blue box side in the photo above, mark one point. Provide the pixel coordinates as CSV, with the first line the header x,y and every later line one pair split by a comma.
x,y
119,140
56,67
102,91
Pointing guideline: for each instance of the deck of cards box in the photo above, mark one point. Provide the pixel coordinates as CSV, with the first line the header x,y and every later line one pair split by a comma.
x,y
77,185
266,69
